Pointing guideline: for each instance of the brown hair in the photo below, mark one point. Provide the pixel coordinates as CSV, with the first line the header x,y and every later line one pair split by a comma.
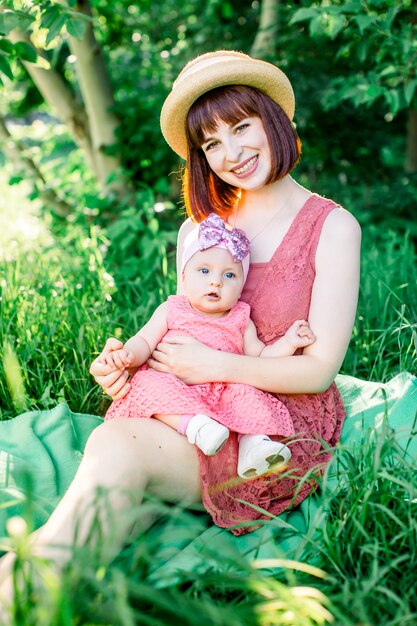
x,y
205,192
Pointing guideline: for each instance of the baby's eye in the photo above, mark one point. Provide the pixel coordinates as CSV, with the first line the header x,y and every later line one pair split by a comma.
x,y
230,275
203,270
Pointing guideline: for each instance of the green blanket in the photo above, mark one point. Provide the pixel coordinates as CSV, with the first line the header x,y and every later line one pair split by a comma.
x,y
40,452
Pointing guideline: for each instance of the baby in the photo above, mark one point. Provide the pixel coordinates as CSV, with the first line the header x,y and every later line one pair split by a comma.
x,y
214,268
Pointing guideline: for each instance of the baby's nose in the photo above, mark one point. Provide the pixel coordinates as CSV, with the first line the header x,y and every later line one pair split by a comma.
x,y
216,280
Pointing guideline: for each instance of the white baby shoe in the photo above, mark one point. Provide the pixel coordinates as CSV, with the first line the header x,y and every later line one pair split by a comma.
x,y
257,453
206,434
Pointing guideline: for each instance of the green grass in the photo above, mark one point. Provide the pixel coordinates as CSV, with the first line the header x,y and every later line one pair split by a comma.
x,y
359,569
94,590
368,543
384,340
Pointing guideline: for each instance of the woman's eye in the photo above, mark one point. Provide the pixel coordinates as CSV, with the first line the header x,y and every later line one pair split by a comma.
x,y
242,127
210,146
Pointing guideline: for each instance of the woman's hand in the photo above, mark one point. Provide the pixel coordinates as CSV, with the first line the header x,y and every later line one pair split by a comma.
x,y
112,379
187,358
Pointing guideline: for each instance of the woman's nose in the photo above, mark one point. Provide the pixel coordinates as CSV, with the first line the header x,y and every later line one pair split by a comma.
x,y
232,150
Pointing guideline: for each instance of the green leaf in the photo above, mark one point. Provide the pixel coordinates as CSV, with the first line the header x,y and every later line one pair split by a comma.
x,y
390,70
76,27
15,179
336,23
6,46
343,52
363,50
5,67
393,100
49,16
410,90
227,10
304,15
391,14
55,27
8,21
26,51
25,20
364,22
353,7
373,92
318,25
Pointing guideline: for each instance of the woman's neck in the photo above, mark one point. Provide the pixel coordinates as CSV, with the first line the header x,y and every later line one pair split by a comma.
x,y
273,198
276,198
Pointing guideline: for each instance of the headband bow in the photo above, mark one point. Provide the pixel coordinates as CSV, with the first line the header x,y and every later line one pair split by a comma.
x,y
213,232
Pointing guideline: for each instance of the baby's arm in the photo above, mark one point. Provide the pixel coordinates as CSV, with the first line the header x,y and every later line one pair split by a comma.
x,y
138,348
299,335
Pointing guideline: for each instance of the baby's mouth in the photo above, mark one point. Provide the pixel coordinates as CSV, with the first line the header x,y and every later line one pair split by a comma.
x,y
213,295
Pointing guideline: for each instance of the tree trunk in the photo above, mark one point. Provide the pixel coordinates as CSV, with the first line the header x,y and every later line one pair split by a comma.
x,y
265,41
411,160
98,98
15,151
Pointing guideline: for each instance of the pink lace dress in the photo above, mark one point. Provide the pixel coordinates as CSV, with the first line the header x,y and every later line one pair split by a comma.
x,y
282,294
242,408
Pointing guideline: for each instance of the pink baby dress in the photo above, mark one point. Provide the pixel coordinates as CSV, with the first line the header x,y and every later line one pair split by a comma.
x,y
242,408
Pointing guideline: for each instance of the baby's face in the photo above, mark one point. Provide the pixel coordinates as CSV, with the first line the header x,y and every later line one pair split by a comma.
x,y
213,281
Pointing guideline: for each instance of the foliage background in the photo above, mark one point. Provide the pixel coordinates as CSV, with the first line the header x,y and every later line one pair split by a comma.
x,y
89,208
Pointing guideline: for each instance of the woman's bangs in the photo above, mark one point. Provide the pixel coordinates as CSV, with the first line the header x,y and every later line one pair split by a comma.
x,y
228,104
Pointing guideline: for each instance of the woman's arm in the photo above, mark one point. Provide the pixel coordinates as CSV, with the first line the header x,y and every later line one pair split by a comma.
x,y
332,314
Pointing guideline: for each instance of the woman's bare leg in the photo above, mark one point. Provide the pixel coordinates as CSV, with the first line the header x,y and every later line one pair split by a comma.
x,y
121,455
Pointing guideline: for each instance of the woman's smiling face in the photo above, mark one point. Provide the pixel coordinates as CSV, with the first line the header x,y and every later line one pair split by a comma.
x,y
239,154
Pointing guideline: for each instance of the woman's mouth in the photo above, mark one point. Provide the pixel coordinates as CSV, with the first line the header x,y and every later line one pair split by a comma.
x,y
246,168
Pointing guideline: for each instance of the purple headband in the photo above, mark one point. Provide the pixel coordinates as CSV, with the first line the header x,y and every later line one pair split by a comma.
x,y
212,233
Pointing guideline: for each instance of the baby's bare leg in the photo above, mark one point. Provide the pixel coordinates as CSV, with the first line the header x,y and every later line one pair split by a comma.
x,y
169,419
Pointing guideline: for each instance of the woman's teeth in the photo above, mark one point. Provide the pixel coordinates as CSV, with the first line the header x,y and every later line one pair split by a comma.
x,y
247,166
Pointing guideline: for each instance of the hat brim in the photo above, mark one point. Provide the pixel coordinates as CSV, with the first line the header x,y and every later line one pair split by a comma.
x,y
225,71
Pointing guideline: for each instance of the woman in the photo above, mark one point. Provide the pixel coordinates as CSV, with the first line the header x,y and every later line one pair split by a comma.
x,y
240,146
230,117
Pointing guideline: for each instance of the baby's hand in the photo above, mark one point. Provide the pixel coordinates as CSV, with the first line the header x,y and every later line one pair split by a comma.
x,y
117,360
300,335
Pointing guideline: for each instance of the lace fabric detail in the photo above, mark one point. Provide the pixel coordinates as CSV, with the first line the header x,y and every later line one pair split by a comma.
x,y
282,295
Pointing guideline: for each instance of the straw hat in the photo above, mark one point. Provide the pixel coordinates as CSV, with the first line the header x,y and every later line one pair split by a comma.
x,y
217,69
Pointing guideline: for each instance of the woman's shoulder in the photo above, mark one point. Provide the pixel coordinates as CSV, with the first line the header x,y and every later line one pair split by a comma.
x,y
341,223
341,233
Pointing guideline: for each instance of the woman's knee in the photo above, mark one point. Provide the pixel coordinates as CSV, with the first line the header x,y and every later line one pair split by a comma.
x,y
106,437
143,453
111,454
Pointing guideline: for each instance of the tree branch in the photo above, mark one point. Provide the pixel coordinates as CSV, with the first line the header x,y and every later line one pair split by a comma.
x,y
16,152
